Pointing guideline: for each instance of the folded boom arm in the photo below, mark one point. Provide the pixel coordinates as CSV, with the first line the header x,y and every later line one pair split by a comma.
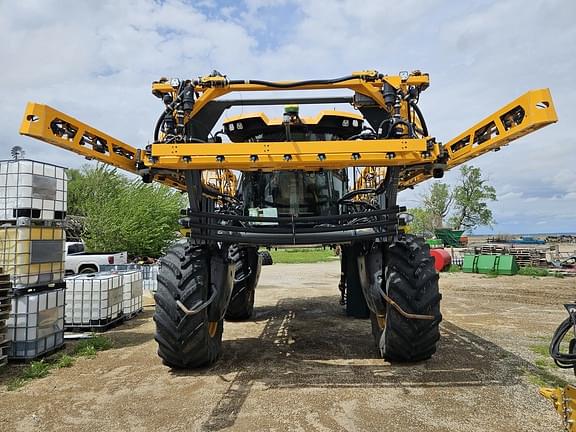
x,y
528,113
417,155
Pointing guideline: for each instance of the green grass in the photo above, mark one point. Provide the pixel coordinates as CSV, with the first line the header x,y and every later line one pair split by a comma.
x,y
540,349
64,361
15,383
36,369
545,379
41,368
533,271
298,256
544,364
453,269
491,274
89,347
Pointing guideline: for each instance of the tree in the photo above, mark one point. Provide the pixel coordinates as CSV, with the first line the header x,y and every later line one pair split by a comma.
x,y
119,214
90,186
471,197
422,222
467,203
436,202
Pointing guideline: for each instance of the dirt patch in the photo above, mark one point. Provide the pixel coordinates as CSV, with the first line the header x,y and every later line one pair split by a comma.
x,y
300,364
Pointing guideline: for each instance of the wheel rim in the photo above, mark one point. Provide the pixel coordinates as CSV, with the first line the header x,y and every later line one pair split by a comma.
x,y
212,328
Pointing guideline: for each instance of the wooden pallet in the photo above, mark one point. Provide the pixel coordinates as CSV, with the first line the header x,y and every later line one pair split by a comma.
x,y
563,272
96,326
525,257
4,346
39,288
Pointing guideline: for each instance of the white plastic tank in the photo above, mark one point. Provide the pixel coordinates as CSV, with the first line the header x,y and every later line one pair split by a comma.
x,y
32,189
32,255
36,323
132,292
93,300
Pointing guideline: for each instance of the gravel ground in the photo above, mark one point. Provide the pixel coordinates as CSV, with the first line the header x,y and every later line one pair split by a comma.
x,y
301,365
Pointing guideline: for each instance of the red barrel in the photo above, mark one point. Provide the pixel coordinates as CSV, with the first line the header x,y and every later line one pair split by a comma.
x,y
442,259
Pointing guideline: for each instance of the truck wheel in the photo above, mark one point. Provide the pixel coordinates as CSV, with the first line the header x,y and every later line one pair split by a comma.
x,y
412,282
185,341
356,305
241,305
87,269
266,257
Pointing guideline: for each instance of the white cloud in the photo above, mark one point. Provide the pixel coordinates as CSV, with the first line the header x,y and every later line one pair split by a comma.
x,y
95,60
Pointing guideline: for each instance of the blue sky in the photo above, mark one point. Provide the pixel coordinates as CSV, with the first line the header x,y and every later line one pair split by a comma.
x,y
96,60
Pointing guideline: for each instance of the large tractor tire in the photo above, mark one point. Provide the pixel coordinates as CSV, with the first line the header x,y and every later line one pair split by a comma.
x,y
412,282
185,341
356,305
241,305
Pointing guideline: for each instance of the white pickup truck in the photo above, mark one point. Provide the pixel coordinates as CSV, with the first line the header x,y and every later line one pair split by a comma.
x,y
79,261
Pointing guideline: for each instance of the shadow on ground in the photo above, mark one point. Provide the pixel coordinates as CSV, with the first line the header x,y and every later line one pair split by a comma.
x,y
308,343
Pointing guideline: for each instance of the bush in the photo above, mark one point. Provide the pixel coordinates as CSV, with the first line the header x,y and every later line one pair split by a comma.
x,y
120,214
533,271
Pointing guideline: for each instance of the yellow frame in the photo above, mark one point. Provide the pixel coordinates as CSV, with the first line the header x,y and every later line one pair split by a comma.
x,y
539,112
288,155
417,154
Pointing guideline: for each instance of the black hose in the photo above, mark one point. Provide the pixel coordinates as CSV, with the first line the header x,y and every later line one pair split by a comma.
x,y
158,126
359,203
353,193
420,116
169,108
216,194
365,136
395,122
386,120
293,84
563,360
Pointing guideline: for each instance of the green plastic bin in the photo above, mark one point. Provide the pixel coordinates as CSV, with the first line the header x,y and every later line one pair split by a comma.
x,y
498,264
469,264
507,265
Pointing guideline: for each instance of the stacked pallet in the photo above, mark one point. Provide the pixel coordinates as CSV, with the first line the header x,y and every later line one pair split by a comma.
x,y
525,257
32,251
5,307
